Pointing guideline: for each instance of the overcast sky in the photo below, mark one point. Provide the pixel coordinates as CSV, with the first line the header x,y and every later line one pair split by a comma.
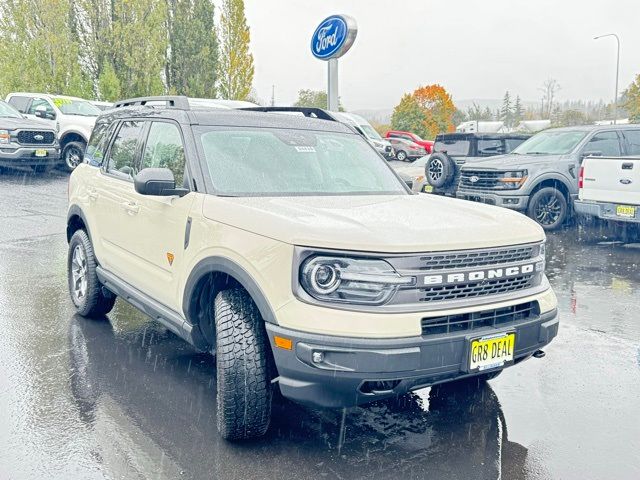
x,y
475,49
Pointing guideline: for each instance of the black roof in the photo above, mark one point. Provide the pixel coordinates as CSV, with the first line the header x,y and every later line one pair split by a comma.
x,y
481,135
178,108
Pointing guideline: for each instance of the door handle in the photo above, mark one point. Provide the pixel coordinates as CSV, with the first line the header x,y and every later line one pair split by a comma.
x,y
92,194
627,166
131,208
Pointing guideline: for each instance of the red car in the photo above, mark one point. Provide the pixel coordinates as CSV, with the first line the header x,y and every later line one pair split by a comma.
x,y
427,144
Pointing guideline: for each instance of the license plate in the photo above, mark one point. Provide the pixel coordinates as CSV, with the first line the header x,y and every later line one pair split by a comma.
x,y
625,211
427,189
492,351
40,152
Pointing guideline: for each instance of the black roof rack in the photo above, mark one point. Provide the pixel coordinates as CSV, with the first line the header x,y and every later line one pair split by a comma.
x,y
179,102
311,112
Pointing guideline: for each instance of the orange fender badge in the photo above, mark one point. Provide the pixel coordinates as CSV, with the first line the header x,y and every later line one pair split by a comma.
x,y
170,258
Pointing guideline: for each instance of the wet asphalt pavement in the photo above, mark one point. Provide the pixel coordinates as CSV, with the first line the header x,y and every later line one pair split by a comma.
x,y
123,398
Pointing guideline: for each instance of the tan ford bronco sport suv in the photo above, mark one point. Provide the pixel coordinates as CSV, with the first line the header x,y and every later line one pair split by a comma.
x,y
287,247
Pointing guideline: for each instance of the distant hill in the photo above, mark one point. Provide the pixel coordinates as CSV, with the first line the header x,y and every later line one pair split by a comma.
x,y
383,115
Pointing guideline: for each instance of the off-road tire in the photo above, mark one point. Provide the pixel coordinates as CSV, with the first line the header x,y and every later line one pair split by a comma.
x,y
69,148
401,156
560,208
440,170
243,363
94,303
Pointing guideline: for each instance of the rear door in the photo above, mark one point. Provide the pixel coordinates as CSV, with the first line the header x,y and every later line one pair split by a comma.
x,y
612,180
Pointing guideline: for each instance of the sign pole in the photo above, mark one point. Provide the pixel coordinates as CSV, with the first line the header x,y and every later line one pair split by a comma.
x,y
332,84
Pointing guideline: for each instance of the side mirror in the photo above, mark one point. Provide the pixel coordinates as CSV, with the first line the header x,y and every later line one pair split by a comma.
x,y
158,182
590,153
41,112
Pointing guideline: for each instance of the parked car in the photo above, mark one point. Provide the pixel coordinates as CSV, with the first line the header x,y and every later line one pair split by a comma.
x,y
25,142
285,251
72,117
427,144
452,150
540,177
413,175
363,127
609,187
407,150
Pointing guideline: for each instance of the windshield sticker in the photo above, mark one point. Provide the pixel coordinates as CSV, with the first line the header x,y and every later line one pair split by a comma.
x,y
58,102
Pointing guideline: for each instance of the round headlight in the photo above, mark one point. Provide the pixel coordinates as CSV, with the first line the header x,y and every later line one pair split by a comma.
x,y
324,278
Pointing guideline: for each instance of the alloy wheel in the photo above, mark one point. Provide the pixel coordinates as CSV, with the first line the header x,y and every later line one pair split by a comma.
x,y
73,157
548,210
79,274
436,169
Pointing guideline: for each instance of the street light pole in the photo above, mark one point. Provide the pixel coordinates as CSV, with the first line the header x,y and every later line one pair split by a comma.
x,y
615,99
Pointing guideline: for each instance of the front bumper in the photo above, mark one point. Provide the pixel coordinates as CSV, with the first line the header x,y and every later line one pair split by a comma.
x,y
505,198
605,211
351,366
17,156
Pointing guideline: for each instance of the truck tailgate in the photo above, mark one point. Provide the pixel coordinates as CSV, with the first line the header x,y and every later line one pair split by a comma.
x,y
611,179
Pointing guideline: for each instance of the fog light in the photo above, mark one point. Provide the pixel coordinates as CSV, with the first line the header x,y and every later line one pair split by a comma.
x,y
317,357
510,201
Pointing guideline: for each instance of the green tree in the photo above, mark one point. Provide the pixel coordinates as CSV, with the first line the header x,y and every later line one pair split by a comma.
x,y
38,49
235,68
192,56
506,113
475,112
409,117
632,103
569,118
314,98
518,111
109,84
458,117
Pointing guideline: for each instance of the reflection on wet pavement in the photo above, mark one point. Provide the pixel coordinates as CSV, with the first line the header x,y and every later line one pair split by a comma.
x,y
123,398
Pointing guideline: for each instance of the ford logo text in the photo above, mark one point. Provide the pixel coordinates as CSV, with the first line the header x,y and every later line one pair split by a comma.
x,y
333,37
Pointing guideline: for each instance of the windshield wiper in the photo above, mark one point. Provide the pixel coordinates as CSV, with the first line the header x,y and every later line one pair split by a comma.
x,y
538,153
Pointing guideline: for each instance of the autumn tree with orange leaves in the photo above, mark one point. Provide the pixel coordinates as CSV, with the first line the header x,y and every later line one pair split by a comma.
x,y
427,111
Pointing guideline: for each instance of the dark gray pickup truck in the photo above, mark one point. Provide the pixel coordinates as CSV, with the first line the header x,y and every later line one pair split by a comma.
x,y
540,177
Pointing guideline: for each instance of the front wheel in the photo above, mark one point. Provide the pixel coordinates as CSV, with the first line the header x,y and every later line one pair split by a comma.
x,y
243,367
548,206
85,288
401,156
72,155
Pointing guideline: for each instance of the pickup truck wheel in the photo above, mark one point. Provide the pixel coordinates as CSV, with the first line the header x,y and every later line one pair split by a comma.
x,y
548,206
401,155
440,170
84,286
72,155
243,367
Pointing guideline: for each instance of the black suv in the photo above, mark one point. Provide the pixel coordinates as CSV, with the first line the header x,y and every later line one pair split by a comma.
x,y
451,150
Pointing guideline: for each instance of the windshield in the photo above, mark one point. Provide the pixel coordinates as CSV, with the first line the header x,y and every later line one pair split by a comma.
x,y
270,162
453,146
7,110
551,143
69,106
370,132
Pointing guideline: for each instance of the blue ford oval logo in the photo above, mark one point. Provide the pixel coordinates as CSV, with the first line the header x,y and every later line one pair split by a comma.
x,y
333,37
474,178
38,137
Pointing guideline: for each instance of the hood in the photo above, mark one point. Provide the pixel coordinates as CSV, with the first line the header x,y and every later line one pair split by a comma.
x,y
389,223
510,161
410,171
7,123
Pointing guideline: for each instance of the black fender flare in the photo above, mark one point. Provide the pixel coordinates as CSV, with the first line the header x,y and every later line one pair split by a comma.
x,y
224,265
73,132
76,211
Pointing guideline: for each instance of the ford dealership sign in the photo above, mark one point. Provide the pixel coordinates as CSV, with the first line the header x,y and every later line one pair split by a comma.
x,y
333,37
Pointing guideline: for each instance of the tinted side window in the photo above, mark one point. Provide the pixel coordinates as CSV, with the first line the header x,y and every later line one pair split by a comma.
x,y
40,102
606,143
98,142
122,156
633,140
20,103
164,150
487,148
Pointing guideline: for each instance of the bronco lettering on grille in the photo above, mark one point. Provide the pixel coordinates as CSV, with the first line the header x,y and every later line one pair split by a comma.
x,y
478,275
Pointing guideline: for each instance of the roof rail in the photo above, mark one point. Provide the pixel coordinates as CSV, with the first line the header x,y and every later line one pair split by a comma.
x,y
311,112
170,101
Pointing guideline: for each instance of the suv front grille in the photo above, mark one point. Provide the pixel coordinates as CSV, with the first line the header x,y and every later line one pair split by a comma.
x,y
497,317
484,179
451,260
36,137
476,289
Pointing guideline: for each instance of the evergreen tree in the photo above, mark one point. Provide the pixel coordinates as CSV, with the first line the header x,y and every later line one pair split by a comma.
x,y
632,102
235,68
518,112
506,113
192,56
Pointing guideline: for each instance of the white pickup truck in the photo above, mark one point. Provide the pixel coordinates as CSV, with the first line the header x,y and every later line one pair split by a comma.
x,y
610,188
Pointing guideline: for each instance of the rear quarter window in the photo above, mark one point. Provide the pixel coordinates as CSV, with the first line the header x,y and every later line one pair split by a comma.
x,y
20,103
97,146
633,141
